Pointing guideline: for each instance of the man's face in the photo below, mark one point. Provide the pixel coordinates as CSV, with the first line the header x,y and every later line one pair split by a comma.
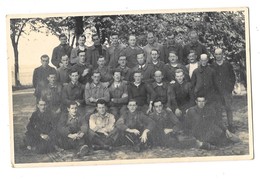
x,y
114,39
52,78
82,57
201,102
132,106
193,37
204,61
101,62
170,39
42,106
122,61
74,77
154,55
137,77
192,57
96,40
173,58
73,110
179,77
96,78
101,109
158,76
117,76
45,61
81,41
140,59
158,106
63,40
65,61
132,41
218,56
150,38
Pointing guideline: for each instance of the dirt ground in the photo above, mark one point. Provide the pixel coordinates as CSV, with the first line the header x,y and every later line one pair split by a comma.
x,y
24,105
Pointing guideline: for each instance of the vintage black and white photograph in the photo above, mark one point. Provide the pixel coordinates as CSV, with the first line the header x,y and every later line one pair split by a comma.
x,y
130,87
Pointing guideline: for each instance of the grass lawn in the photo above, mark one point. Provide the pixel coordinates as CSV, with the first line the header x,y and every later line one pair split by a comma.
x,y
24,105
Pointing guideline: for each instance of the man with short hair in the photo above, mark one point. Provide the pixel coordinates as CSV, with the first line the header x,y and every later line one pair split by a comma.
x,y
195,45
225,79
104,70
63,71
125,70
118,94
41,73
145,69
74,58
166,126
155,63
161,89
181,95
96,50
84,68
192,62
152,44
95,91
73,130
102,125
62,49
52,94
74,91
131,51
112,53
134,127
203,80
205,127
141,92
171,45
40,132
172,66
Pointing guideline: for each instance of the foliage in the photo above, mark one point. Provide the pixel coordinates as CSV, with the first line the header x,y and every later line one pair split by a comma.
x,y
225,29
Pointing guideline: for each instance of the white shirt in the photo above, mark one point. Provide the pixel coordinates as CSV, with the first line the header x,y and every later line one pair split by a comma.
x,y
193,66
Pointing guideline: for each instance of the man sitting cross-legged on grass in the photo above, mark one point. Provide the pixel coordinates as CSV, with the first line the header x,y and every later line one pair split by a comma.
x,y
101,126
40,130
202,122
167,125
73,130
134,127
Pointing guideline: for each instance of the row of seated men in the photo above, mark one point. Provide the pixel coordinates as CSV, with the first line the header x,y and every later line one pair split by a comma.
x,y
140,131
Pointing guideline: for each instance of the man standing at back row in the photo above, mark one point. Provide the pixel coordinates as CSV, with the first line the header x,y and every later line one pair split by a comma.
x,y
225,81
60,50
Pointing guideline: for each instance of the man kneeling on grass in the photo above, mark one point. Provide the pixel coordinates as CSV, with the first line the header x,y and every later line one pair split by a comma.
x,y
40,130
134,127
73,131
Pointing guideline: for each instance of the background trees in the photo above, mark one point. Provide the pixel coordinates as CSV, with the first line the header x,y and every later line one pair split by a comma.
x,y
225,29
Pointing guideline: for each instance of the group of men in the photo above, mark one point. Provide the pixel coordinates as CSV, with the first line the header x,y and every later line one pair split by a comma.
x,y
99,97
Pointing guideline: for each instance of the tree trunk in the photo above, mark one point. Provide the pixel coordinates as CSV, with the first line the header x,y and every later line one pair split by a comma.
x,y
78,27
16,66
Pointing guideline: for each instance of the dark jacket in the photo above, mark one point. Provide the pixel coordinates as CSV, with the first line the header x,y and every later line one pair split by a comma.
x,y
141,94
137,120
203,82
225,77
58,52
